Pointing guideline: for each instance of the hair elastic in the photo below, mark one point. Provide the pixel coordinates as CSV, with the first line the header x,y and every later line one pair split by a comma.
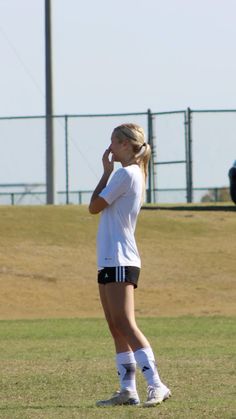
x,y
141,150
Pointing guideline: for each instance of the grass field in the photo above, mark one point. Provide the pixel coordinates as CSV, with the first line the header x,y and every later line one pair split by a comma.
x,y
59,368
56,355
48,263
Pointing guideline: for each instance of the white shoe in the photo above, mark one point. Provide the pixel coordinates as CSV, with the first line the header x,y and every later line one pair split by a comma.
x,y
156,395
120,397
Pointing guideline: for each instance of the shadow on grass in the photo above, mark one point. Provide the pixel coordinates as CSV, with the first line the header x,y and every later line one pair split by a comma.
x,y
221,208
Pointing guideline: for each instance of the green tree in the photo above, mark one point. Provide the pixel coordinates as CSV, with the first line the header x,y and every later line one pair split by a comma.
x,y
217,195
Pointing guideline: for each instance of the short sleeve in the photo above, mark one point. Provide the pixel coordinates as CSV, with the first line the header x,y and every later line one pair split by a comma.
x,y
118,185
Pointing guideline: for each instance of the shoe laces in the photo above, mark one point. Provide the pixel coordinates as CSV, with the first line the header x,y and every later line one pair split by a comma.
x,y
152,392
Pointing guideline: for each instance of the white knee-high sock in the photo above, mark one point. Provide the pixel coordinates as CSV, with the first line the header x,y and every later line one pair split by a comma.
x,y
126,366
146,362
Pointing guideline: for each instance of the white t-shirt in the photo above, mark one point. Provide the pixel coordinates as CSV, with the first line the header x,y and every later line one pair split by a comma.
x,y
116,244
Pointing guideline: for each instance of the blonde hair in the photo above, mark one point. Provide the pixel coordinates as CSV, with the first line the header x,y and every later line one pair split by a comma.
x,y
142,150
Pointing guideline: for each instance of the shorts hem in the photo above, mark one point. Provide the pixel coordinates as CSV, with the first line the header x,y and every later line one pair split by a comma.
x,y
119,275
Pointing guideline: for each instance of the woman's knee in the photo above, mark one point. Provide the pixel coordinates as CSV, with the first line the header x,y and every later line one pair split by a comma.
x,y
124,326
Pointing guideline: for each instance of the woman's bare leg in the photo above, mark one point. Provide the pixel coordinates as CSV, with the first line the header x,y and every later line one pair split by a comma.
x,y
121,344
118,304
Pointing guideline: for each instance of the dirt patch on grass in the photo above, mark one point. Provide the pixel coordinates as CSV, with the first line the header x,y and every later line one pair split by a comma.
x,y
48,263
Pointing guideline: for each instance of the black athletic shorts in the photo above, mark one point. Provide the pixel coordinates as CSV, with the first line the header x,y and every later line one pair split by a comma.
x,y
119,274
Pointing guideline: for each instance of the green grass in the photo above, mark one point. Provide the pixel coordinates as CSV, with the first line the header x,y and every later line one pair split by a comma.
x,y
59,368
48,254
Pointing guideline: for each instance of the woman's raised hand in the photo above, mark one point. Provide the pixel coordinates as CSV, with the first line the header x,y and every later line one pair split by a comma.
x,y
108,161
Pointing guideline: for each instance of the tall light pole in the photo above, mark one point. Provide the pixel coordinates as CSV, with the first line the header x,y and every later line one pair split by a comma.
x,y
50,175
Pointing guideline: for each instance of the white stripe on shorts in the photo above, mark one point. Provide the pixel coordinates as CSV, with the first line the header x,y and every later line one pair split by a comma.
x,y
123,273
120,274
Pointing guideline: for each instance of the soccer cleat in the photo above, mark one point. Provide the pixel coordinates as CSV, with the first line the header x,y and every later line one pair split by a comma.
x,y
156,395
124,397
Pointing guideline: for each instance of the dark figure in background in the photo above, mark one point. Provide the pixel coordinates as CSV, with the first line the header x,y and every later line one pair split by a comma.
x,y
232,181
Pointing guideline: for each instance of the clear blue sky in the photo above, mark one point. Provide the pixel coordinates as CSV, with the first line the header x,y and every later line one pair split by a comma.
x,y
115,56
120,56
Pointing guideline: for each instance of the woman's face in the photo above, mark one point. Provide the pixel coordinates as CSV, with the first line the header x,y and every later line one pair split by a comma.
x,y
118,148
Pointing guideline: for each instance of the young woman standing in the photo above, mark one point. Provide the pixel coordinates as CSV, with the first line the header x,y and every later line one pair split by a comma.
x,y
119,202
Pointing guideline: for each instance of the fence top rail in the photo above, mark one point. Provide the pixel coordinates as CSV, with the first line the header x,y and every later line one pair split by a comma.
x,y
100,115
212,110
89,115
74,115
168,112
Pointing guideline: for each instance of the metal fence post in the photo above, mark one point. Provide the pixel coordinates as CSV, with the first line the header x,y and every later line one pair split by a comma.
x,y
188,150
151,166
50,170
67,160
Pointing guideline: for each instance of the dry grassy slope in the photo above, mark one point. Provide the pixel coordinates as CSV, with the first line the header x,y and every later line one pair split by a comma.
x,y
48,263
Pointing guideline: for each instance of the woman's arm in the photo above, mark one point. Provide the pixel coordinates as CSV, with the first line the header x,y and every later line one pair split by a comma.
x,y
97,204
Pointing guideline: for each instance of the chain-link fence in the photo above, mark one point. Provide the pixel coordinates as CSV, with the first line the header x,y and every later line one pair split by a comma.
x,y
192,154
